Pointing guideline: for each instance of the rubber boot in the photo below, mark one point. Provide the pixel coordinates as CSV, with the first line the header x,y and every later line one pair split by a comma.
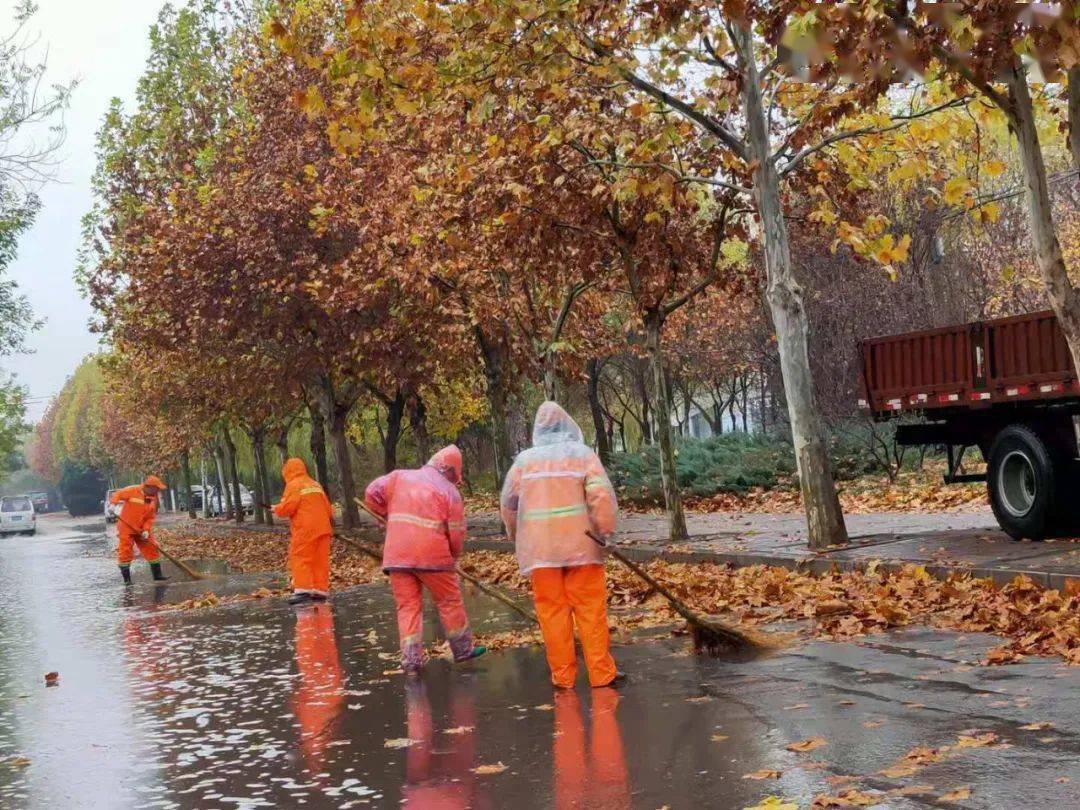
x,y
125,572
155,569
299,599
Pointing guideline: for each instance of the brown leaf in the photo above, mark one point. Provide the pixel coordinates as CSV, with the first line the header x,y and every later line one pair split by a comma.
x,y
807,745
957,795
488,770
764,773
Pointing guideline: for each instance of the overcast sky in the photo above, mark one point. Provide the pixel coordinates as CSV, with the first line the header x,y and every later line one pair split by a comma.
x,y
104,44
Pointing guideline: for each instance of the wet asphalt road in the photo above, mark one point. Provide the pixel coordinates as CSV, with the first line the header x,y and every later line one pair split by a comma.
x,y
260,705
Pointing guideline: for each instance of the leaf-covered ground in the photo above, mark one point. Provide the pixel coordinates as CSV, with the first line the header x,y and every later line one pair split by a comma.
x,y
1030,619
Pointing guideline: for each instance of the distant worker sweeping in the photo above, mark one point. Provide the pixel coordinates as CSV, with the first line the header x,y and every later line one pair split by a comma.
x,y
555,495
135,526
425,534
311,525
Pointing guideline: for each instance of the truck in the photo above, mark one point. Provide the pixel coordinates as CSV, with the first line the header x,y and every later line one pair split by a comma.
x,y
1004,386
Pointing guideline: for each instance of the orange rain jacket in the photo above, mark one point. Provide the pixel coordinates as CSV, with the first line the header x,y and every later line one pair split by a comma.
x,y
139,510
304,503
555,492
425,516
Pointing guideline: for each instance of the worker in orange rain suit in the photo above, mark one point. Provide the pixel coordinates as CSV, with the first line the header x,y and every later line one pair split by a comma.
x,y
135,526
425,533
555,494
319,699
311,523
595,776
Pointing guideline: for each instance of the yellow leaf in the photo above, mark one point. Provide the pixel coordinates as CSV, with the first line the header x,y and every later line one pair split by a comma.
x,y
807,745
774,803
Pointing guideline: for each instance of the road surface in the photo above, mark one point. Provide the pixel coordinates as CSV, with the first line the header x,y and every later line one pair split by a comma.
x,y
261,705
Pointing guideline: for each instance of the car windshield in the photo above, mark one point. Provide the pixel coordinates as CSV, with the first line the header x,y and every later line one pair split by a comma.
x,y
15,505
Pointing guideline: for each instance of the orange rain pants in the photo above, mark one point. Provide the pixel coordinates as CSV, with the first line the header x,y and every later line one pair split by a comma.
x,y
309,563
565,597
593,776
125,551
408,588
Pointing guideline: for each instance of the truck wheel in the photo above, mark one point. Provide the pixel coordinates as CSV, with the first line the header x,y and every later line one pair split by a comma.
x,y
1022,483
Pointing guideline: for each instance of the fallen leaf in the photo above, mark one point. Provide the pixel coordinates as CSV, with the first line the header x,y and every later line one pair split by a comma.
x,y
764,773
774,803
459,730
1040,726
875,723
957,795
977,740
52,678
544,707
719,737
488,770
796,707
400,742
847,798
807,745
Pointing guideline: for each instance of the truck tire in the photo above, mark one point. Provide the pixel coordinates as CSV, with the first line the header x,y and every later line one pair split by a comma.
x,y
1023,483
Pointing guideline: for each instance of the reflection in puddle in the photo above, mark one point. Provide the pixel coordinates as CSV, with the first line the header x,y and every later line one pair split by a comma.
x,y
438,768
319,697
589,771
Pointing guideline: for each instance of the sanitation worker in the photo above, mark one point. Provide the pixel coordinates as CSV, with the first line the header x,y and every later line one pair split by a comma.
x,y
425,533
555,494
135,526
311,525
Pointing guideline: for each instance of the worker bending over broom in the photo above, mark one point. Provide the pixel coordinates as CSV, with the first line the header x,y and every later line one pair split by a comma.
x,y
555,494
311,527
135,526
425,534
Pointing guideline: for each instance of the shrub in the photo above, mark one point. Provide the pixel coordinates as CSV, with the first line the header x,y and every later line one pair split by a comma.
x,y
732,462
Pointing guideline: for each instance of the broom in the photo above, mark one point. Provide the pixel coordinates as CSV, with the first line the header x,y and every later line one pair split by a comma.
x,y
494,593
710,636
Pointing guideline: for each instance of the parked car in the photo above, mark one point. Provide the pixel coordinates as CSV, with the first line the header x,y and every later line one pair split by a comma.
x,y
217,503
112,511
40,501
17,515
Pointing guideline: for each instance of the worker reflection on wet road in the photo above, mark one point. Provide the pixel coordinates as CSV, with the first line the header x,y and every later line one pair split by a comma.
x,y
319,699
589,773
438,769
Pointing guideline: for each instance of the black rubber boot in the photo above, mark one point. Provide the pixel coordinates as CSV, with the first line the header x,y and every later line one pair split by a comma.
x,y
300,599
125,572
155,569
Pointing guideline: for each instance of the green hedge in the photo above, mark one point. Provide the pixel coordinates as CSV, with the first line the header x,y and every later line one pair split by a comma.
x,y
733,462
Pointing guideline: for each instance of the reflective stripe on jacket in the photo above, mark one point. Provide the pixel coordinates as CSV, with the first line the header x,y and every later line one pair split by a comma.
x,y
425,519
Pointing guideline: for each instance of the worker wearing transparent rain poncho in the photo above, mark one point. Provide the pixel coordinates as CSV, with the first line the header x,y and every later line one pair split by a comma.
x,y
556,494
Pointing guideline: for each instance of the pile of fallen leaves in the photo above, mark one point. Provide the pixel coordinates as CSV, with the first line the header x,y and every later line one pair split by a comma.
x,y
251,552
922,491
211,599
840,605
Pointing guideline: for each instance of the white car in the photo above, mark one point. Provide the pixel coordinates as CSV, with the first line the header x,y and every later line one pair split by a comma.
x,y
17,515
112,511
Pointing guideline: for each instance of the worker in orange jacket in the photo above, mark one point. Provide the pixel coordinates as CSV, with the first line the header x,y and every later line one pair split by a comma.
x,y
555,495
425,534
311,523
135,526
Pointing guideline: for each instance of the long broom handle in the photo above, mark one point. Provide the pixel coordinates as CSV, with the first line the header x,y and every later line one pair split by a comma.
x,y
676,603
479,583
178,563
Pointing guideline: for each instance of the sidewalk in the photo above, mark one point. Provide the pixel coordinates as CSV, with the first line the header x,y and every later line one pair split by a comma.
x,y
944,543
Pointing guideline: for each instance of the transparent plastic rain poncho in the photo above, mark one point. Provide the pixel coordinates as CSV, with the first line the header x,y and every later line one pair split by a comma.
x,y
555,493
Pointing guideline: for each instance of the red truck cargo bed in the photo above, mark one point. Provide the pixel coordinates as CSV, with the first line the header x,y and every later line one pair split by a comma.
x,y
970,366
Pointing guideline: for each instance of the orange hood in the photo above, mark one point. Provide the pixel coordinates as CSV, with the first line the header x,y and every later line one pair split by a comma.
x,y
294,468
448,462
